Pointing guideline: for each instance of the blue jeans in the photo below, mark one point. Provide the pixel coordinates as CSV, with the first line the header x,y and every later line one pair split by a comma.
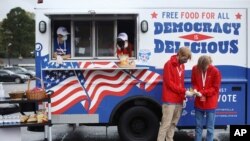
x,y
200,118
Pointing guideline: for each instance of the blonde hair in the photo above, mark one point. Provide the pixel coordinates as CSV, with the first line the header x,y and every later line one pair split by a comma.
x,y
204,61
184,51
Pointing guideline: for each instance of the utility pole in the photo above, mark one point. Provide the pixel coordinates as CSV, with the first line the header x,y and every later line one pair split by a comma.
x,y
9,53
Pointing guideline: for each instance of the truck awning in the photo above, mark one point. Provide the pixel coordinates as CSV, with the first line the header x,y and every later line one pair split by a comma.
x,y
90,14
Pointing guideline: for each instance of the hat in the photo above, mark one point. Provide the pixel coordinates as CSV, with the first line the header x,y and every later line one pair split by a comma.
x,y
62,31
123,36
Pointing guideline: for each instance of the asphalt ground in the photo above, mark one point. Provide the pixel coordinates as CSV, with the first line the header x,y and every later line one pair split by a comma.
x,y
65,132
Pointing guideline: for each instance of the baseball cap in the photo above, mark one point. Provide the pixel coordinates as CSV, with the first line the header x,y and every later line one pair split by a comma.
x,y
123,36
62,31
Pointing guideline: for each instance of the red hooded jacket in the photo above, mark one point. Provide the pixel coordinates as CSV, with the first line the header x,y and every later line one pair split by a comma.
x,y
211,89
173,81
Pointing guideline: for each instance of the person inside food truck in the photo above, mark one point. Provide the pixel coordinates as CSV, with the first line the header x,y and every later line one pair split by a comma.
x,y
123,47
61,45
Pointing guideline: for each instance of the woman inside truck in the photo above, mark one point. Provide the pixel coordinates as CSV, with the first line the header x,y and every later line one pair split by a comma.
x,y
123,46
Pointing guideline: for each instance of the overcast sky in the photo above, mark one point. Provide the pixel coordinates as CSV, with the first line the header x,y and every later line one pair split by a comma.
x,y
7,5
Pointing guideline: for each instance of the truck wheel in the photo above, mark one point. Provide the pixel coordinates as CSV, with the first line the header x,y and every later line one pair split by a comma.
x,y
138,124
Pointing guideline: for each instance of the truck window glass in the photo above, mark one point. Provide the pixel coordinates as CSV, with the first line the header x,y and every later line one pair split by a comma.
x,y
105,38
82,40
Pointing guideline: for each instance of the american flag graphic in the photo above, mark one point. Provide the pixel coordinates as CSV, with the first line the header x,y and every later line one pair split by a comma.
x,y
77,83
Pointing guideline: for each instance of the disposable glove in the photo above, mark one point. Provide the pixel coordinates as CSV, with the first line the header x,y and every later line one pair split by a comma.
x,y
189,93
197,93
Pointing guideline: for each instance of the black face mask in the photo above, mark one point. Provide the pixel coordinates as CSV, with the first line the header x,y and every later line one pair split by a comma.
x,y
121,44
183,60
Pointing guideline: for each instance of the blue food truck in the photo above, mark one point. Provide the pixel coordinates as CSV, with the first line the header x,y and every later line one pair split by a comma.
x,y
91,87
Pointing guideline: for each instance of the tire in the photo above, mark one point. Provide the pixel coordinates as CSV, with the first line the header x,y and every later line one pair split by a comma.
x,y
18,80
138,124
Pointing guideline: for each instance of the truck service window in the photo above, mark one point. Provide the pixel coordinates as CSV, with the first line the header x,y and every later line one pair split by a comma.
x,y
94,37
61,41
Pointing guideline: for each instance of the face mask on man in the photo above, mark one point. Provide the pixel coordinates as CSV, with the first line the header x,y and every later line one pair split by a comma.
x,y
64,38
183,59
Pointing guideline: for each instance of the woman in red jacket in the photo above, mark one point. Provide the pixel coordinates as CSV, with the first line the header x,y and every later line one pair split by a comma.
x,y
173,93
206,80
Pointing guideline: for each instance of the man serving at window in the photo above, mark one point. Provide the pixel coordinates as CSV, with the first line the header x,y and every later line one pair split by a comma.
x,y
61,46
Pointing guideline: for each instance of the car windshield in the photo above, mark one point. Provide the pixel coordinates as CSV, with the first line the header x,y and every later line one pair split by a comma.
x,y
32,68
23,69
10,72
17,69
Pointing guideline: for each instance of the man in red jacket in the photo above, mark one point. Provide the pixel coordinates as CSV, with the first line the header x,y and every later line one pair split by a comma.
x,y
206,80
173,93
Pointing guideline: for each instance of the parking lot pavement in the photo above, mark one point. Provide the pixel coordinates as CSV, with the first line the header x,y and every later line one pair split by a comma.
x,y
64,132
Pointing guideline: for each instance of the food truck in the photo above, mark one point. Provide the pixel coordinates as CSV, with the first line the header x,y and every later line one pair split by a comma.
x,y
92,87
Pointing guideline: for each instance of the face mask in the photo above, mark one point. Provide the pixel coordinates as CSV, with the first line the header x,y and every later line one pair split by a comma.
x,y
64,38
183,60
121,44
126,44
204,68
